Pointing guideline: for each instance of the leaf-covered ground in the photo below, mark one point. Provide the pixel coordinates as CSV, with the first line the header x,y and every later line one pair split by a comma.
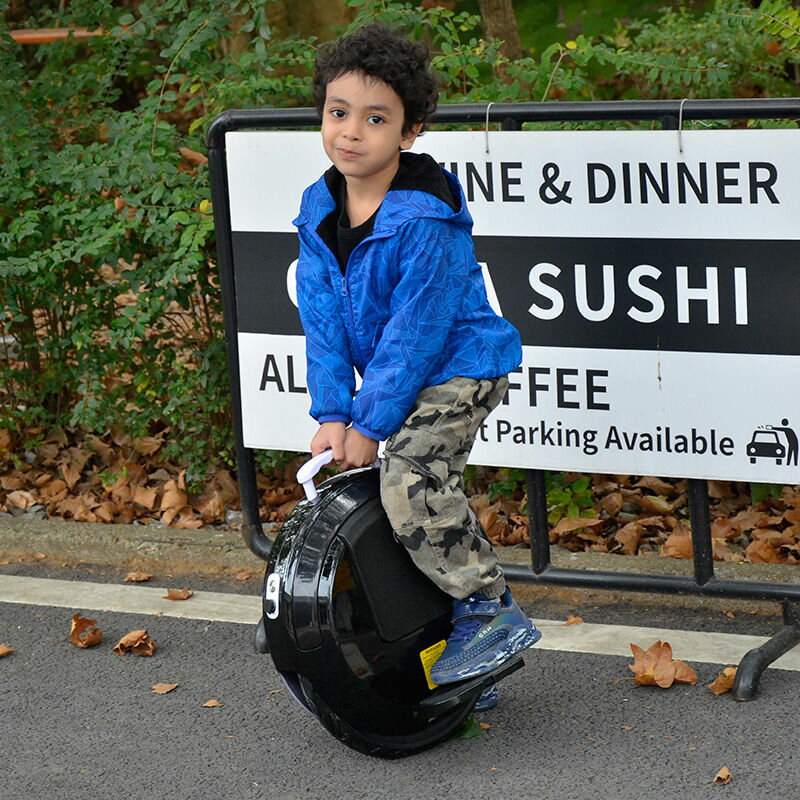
x,y
114,478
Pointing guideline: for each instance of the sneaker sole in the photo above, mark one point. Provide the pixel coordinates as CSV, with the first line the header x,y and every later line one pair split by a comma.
x,y
519,640
488,700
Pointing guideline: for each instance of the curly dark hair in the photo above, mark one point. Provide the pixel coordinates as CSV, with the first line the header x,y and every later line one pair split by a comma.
x,y
383,53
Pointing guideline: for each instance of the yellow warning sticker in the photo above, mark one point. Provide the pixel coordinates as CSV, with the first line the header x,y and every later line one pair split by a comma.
x,y
428,658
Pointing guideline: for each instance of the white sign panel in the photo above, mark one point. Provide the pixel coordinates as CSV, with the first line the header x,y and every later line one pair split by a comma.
x,y
654,289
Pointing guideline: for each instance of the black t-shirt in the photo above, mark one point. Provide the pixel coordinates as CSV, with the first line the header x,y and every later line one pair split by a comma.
x,y
348,238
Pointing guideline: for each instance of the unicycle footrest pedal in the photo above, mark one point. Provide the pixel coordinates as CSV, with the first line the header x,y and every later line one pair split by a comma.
x,y
451,695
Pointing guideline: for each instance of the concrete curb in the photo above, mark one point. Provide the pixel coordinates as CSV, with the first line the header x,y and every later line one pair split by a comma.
x,y
223,552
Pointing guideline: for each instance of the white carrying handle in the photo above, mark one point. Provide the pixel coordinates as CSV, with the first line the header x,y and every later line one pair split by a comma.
x,y
306,473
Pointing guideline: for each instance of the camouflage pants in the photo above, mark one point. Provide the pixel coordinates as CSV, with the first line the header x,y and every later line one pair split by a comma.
x,y
422,487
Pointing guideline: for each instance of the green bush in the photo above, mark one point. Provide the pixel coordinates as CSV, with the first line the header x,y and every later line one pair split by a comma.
x,y
111,316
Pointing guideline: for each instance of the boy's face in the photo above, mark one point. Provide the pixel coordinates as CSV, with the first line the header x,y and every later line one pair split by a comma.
x,y
362,128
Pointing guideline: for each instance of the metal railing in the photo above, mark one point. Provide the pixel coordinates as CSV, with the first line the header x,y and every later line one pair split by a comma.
x,y
669,114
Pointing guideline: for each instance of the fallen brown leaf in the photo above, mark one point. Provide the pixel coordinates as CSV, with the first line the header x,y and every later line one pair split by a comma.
x,y
186,519
657,504
145,497
21,498
6,441
722,552
724,681
178,594
192,156
244,575
72,474
137,577
54,491
285,509
5,650
678,544
723,528
573,620
138,642
656,485
39,556
147,445
163,688
611,503
656,667
629,537
84,632
760,551
723,776
174,497
573,523
212,704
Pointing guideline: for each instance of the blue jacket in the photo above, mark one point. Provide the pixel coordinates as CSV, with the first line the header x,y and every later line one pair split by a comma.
x,y
410,310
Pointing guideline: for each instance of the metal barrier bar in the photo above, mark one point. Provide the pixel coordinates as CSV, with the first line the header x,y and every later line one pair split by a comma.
x,y
512,116
252,531
757,660
657,583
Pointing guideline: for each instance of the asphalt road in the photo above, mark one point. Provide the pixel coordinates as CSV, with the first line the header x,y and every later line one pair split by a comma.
x,y
81,724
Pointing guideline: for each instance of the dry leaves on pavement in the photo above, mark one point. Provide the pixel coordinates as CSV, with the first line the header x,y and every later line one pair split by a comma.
x,y
5,650
137,577
84,632
724,681
213,703
656,667
113,477
137,642
723,776
178,594
163,688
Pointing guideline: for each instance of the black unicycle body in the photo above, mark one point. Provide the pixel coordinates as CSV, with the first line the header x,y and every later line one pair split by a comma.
x,y
353,626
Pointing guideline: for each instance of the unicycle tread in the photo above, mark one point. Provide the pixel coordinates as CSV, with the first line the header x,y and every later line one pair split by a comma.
x,y
363,743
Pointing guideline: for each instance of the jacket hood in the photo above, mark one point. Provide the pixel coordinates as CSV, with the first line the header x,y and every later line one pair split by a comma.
x,y
420,189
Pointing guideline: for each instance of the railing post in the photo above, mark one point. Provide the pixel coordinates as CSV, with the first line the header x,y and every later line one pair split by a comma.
x,y
252,532
700,516
538,527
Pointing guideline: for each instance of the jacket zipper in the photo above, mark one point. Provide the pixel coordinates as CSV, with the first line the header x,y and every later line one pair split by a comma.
x,y
346,295
351,319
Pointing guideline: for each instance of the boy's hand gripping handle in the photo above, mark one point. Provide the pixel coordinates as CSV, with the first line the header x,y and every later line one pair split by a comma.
x,y
306,473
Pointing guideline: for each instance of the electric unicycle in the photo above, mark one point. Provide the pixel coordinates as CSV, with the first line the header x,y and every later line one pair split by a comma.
x,y
353,626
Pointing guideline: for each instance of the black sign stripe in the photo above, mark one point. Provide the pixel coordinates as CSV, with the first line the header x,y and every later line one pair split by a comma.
x,y
686,295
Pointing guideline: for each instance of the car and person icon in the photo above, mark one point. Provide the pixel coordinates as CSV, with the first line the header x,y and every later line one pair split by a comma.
x,y
768,443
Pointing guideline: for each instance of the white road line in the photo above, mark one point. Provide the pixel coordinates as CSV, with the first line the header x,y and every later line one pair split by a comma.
x,y
691,646
127,598
707,647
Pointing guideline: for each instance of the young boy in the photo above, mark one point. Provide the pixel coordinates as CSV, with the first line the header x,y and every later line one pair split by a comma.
x,y
388,284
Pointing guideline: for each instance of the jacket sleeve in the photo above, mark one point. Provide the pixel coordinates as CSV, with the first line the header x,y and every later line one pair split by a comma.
x,y
436,261
329,365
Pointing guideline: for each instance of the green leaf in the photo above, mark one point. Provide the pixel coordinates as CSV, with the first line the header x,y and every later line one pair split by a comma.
x,y
469,730
761,491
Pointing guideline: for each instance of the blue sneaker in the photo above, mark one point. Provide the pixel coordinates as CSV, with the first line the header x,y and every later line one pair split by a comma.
x,y
486,633
488,698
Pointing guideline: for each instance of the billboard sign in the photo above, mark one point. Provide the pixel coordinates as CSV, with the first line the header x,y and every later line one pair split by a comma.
x,y
652,278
